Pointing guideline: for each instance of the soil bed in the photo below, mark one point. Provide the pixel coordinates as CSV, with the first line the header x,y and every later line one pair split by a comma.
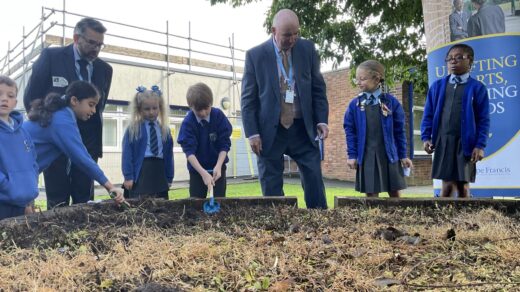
x,y
163,246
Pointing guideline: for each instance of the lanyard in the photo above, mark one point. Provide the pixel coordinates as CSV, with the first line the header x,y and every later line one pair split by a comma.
x,y
288,79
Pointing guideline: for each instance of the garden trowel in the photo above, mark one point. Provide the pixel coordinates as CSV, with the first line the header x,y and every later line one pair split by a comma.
x,y
211,207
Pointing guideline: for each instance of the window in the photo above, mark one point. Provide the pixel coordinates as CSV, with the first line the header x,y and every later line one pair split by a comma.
x,y
110,132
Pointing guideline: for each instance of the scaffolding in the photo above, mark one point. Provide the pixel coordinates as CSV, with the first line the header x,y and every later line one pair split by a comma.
x,y
154,49
159,49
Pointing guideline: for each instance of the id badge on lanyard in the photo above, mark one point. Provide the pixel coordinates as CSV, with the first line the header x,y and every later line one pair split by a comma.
x,y
289,95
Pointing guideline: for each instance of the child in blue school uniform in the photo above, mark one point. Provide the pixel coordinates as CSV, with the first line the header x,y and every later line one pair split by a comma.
x,y
53,127
205,139
456,123
374,128
147,162
18,168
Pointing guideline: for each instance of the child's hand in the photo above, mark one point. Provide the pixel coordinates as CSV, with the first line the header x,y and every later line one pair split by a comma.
x,y
406,162
128,184
477,155
29,209
119,198
208,179
352,163
217,173
428,147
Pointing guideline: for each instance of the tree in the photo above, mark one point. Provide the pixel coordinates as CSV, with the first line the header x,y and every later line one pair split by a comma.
x,y
352,31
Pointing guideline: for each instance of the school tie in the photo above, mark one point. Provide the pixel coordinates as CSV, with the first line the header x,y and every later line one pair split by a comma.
x,y
371,100
203,123
457,80
154,146
287,111
83,69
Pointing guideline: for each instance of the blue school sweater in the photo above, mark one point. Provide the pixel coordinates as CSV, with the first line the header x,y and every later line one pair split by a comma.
x,y
134,152
475,114
205,142
18,168
62,137
354,124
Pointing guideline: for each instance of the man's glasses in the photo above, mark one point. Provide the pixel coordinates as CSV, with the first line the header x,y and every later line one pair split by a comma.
x,y
457,58
93,43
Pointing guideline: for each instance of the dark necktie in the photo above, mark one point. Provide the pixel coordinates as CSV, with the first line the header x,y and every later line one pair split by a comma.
x,y
154,146
287,111
203,123
371,100
83,69
457,80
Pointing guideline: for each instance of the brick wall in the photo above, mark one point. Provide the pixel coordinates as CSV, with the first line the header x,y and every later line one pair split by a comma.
x,y
436,22
339,93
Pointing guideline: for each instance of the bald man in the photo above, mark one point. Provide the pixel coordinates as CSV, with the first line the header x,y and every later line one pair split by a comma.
x,y
285,108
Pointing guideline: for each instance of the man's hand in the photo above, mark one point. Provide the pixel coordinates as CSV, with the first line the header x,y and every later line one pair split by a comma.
x,y
256,144
477,155
428,147
323,131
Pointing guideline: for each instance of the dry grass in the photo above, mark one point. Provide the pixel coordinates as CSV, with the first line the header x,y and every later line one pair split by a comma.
x,y
258,248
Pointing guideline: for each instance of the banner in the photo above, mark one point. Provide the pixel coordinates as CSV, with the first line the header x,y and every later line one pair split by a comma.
x,y
493,31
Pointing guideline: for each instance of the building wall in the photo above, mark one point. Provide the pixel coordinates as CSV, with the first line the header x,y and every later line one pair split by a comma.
x,y
436,22
340,92
126,78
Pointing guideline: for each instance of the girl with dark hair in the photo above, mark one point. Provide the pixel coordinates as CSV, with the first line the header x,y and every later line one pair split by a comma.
x,y
53,127
376,142
456,123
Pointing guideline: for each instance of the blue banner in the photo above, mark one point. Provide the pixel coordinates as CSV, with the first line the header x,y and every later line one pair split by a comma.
x,y
496,65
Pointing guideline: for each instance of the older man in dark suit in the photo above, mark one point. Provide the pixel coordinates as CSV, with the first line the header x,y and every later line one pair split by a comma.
x,y
54,70
285,108
489,19
458,21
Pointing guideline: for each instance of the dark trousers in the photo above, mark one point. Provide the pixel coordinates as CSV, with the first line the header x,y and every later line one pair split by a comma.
x,y
199,190
60,187
295,143
8,211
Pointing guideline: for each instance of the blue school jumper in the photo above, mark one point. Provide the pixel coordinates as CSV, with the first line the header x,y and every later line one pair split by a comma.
x,y
205,142
475,114
62,136
134,153
354,123
18,168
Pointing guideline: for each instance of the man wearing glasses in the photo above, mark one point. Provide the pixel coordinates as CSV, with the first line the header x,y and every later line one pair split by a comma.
x,y
54,70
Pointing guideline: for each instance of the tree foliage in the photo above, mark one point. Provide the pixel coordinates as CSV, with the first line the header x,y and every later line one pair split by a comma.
x,y
351,31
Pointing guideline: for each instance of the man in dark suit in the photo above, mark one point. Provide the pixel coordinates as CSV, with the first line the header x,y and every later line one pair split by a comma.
x,y
54,70
489,19
458,22
285,108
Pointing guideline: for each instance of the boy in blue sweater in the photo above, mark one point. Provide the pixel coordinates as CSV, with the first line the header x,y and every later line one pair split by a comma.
x,y
205,139
18,168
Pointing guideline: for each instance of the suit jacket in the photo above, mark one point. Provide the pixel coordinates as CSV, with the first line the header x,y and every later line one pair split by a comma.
x,y
261,98
489,19
459,20
53,72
